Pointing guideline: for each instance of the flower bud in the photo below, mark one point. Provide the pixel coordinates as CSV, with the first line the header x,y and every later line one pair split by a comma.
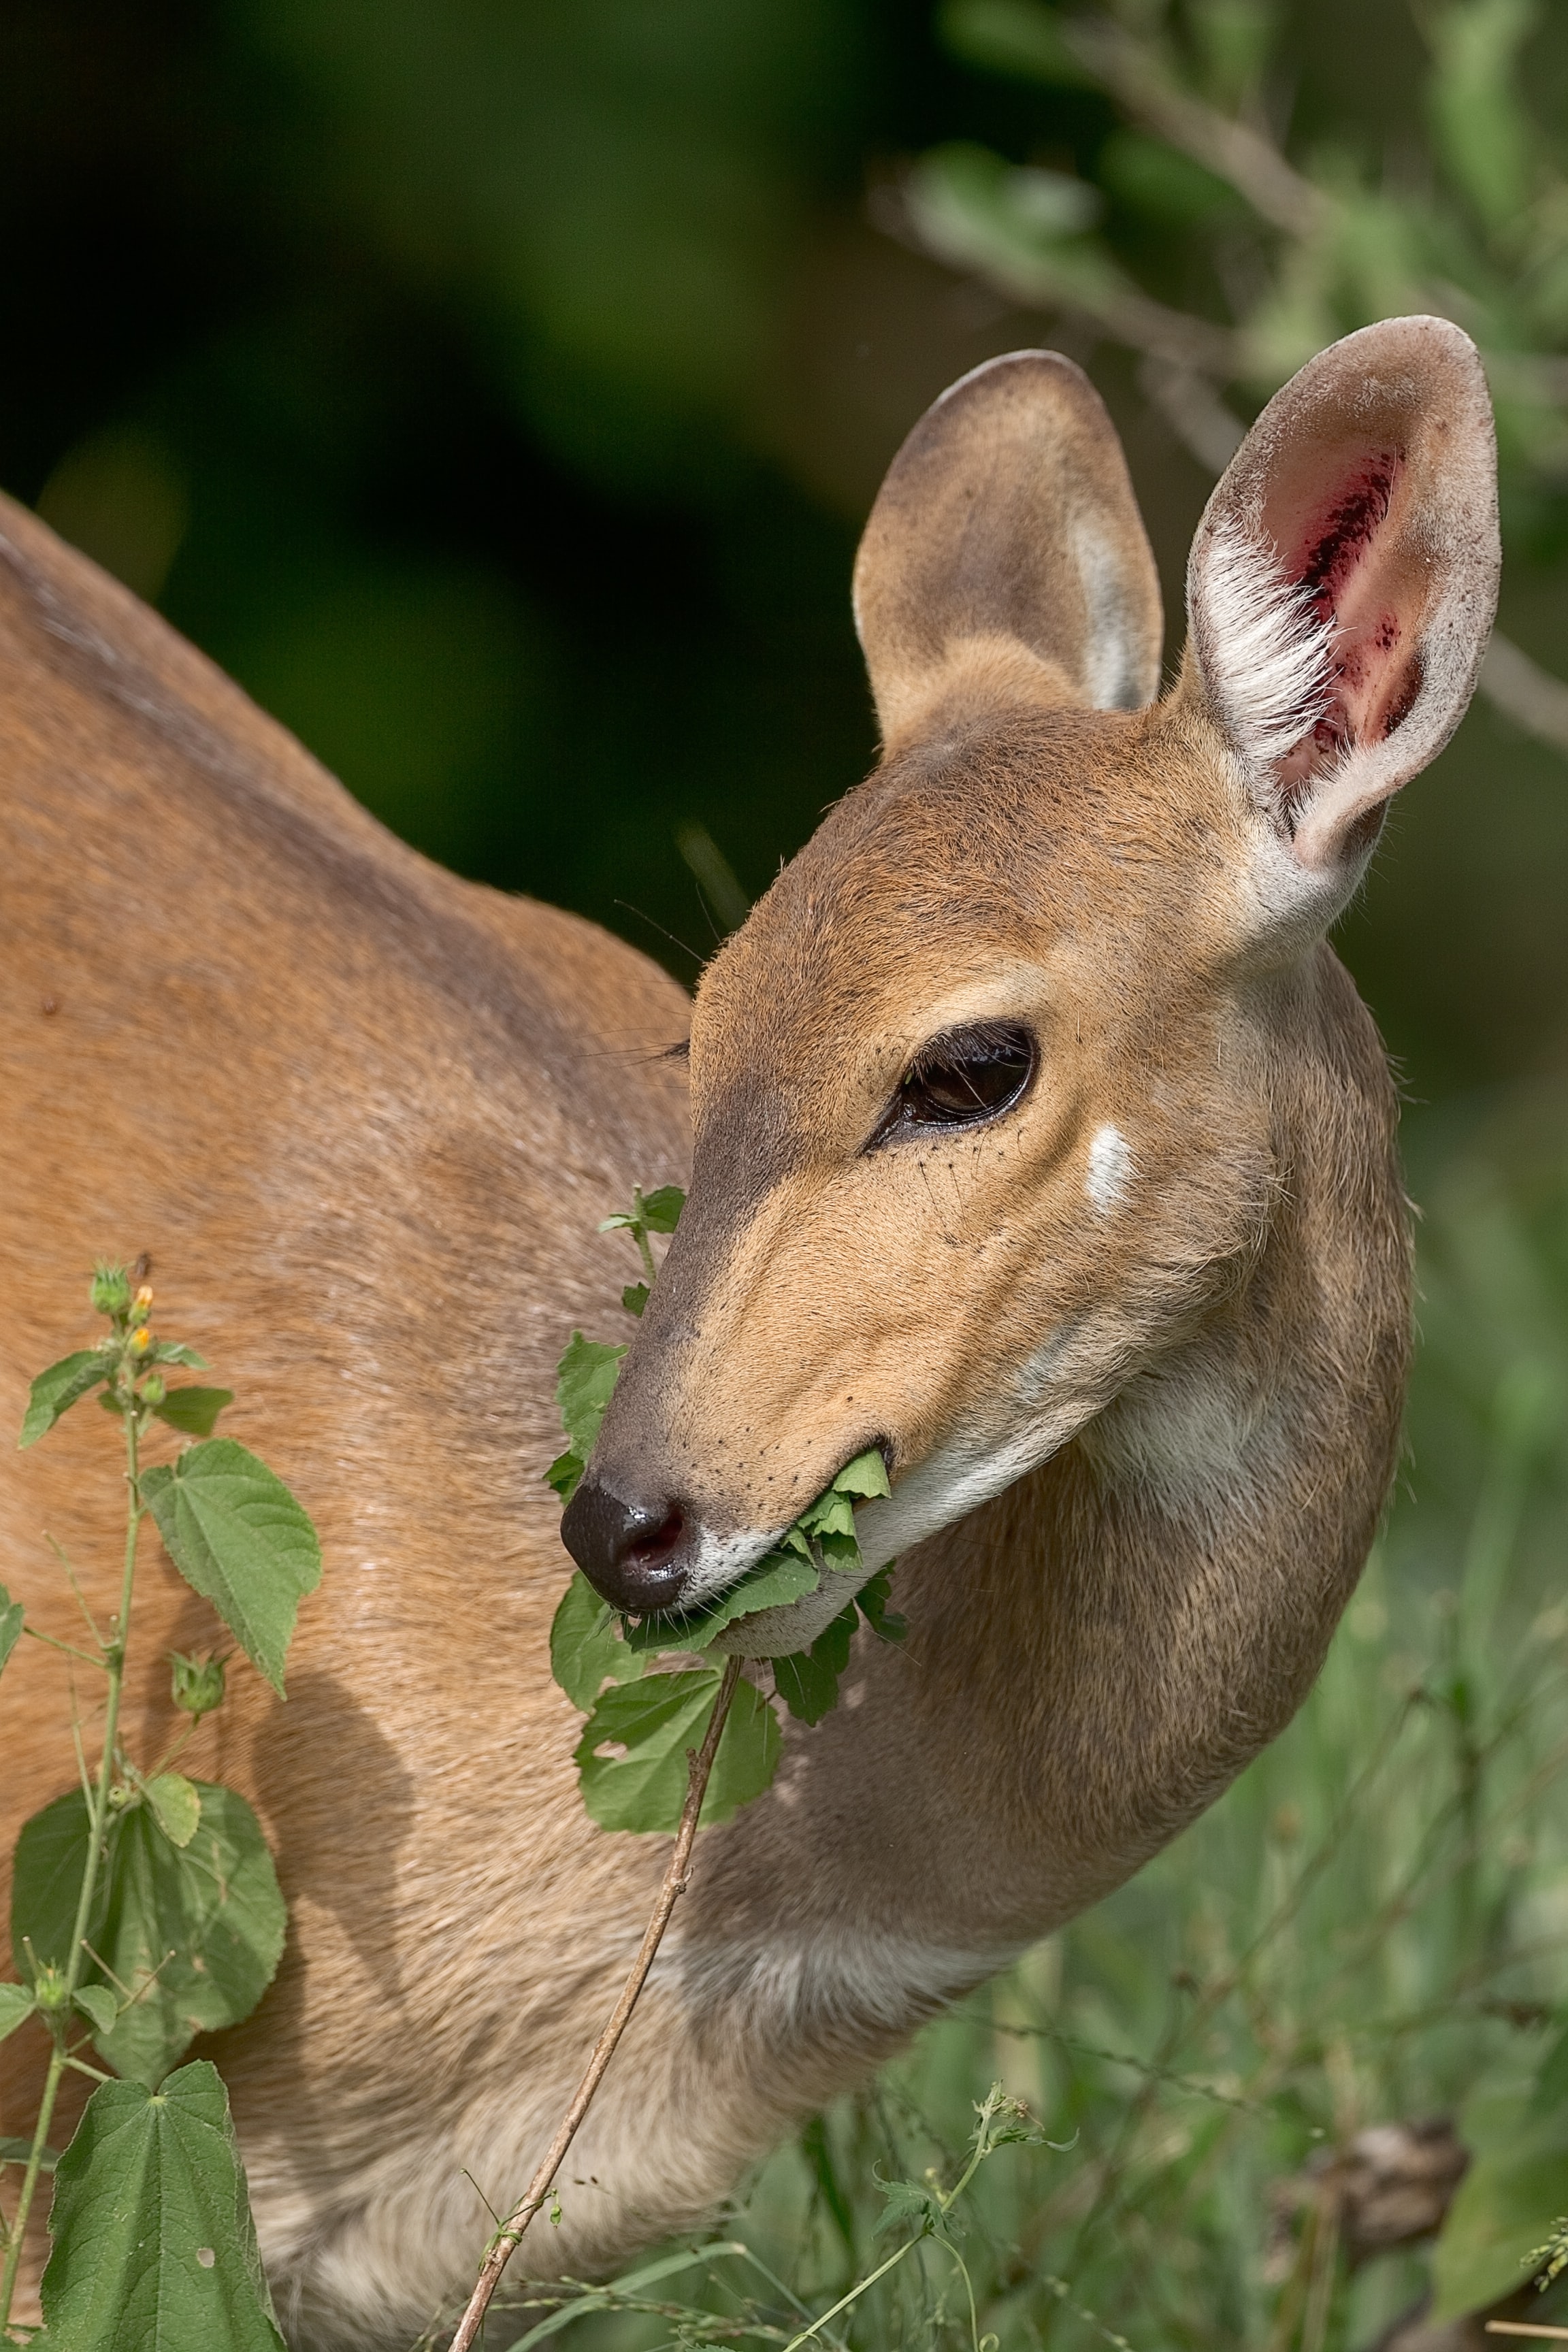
x,y
140,1340
50,1990
144,1296
197,1683
154,1388
111,1290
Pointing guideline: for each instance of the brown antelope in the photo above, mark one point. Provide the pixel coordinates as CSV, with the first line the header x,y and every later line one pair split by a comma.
x,y
1037,1136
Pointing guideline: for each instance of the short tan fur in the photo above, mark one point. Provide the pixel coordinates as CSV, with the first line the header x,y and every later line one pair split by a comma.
x,y
1134,1343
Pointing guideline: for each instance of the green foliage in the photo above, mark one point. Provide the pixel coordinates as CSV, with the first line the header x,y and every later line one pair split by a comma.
x,y
11,1619
190,1928
631,1757
154,2250
239,1538
145,1904
63,1385
586,1380
193,1410
654,1723
1507,2203
15,2004
585,1649
1262,251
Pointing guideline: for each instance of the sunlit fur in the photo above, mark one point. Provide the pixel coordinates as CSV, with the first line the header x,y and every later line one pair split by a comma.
x,y
366,1119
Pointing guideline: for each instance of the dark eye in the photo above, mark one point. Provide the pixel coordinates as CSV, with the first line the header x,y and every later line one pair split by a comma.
x,y
960,1079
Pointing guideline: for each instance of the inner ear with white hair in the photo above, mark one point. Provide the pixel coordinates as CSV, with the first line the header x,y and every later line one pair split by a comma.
x,y
1342,583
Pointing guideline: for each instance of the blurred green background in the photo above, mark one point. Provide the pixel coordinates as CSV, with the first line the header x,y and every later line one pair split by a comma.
x,y
497,390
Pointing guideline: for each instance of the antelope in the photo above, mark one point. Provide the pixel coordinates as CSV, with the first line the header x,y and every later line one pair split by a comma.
x,y
1035,1135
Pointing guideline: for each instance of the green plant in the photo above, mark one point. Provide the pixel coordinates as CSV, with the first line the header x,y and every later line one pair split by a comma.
x,y
145,1908
670,1751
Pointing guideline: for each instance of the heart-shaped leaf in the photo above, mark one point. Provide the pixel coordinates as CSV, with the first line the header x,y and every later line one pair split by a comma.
x,y
237,1535
154,2248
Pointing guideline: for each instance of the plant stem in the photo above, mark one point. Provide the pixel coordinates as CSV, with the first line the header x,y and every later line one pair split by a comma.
x,y
699,1765
98,1815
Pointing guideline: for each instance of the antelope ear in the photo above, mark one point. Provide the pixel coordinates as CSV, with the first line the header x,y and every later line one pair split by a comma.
x,y
1343,583
1005,557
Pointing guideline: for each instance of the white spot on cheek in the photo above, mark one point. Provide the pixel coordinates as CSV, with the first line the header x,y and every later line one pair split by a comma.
x,y
1110,1167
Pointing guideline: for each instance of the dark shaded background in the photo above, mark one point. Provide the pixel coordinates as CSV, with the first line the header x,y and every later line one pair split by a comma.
x,y
496,391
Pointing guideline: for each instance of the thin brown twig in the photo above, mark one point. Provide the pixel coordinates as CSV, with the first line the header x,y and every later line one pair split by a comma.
x,y
699,1765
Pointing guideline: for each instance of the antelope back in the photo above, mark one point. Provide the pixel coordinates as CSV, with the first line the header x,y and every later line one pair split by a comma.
x,y
362,1119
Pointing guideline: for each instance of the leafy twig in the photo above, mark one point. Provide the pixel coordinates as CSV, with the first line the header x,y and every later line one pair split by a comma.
x,y
510,2236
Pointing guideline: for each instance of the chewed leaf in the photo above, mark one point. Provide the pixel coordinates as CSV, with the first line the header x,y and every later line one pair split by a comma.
x,y
585,1649
11,1616
654,1723
55,1390
586,1377
194,1410
565,1474
866,1476
154,2248
634,1298
177,1805
781,1576
872,1603
240,1540
807,1680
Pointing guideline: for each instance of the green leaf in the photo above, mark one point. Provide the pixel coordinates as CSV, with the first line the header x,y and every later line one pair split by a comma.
x,y
1012,36
586,1380
1506,2205
174,1351
661,1209
866,1476
177,1806
565,1474
15,2006
585,1650
98,2004
634,1298
194,1410
807,1680
11,1615
20,2151
911,2205
239,1538
55,1390
154,2248
781,1576
195,1932
872,1603
750,1747
655,1721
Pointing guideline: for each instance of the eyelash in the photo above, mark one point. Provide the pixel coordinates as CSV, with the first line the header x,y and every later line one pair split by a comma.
x,y
963,1079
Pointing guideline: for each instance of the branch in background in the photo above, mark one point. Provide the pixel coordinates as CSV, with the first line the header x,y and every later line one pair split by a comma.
x,y
1524,692
1233,150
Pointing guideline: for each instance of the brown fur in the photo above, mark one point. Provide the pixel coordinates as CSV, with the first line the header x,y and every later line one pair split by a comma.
x,y
365,1118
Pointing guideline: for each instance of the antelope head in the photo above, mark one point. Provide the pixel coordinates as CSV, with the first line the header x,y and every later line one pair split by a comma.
x,y
982,1090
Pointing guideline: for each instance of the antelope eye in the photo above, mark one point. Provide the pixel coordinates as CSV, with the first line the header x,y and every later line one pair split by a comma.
x,y
962,1078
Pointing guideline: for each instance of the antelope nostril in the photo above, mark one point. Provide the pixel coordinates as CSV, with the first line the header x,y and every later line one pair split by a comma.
x,y
630,1552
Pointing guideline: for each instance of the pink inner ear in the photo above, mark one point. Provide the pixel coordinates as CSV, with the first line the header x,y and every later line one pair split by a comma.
x,y
1340,553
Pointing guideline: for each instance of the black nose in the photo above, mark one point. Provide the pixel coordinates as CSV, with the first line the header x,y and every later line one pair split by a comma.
x,y
630,1552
